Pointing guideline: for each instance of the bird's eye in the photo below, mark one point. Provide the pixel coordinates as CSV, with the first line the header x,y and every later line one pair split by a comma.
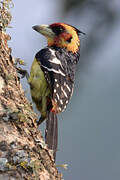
x,y
58,29
69,39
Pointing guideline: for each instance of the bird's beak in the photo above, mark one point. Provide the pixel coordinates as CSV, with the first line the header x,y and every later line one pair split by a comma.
x,y
44,30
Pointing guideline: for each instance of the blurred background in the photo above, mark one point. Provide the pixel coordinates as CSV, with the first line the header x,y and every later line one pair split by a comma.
x,y
89,130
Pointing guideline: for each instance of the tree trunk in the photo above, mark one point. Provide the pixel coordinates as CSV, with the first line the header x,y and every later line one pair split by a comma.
x,y
23,152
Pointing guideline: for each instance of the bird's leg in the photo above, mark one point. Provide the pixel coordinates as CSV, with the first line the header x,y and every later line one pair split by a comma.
x,y
23,72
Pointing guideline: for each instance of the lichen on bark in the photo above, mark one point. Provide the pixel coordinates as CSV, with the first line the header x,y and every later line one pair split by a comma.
x,y
23,152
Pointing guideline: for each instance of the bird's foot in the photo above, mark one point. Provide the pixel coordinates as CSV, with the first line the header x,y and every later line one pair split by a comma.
x,y
23,72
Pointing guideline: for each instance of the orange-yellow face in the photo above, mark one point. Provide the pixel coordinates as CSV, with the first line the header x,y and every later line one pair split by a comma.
x,y
61,35
66,37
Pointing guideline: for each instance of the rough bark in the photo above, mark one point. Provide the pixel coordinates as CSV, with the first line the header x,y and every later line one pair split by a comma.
x,y
23,153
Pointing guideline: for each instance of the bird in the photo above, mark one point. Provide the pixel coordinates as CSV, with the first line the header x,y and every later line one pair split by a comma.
x,y
52,75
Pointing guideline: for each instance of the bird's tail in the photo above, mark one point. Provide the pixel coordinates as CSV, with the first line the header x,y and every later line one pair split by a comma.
x,y
51,132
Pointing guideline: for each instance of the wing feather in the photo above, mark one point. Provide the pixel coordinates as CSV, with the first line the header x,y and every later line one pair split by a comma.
x,y
59,70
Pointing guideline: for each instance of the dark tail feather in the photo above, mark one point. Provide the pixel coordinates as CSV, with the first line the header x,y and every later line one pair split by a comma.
x,y
51,132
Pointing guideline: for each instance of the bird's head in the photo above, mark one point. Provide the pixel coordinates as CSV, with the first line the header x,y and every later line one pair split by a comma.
x,y
61,35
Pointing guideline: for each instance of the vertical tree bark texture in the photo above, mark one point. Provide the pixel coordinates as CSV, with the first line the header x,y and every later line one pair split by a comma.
x,y
23,153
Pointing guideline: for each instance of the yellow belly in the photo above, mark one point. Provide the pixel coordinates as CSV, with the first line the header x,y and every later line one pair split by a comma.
x,y
39,87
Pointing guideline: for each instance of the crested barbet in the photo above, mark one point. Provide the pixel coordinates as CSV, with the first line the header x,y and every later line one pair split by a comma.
x,y
53,73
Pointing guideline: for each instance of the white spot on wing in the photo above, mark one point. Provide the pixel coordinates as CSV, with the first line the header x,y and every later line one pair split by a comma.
x,y
58,96
72,92
64,107
61,101
68,88
52,51
64,92
54,60
57,85
50,69
66,101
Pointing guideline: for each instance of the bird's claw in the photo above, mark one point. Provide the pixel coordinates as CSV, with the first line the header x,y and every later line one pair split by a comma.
x,y
23,72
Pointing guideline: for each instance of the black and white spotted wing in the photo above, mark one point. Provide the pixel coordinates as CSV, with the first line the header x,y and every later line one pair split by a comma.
x,y
58,66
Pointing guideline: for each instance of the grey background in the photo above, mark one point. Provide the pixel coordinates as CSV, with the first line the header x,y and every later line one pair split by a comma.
x,y
89,130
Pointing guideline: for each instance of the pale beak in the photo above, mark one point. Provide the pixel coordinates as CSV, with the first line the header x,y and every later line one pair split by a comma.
x,y
44,30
